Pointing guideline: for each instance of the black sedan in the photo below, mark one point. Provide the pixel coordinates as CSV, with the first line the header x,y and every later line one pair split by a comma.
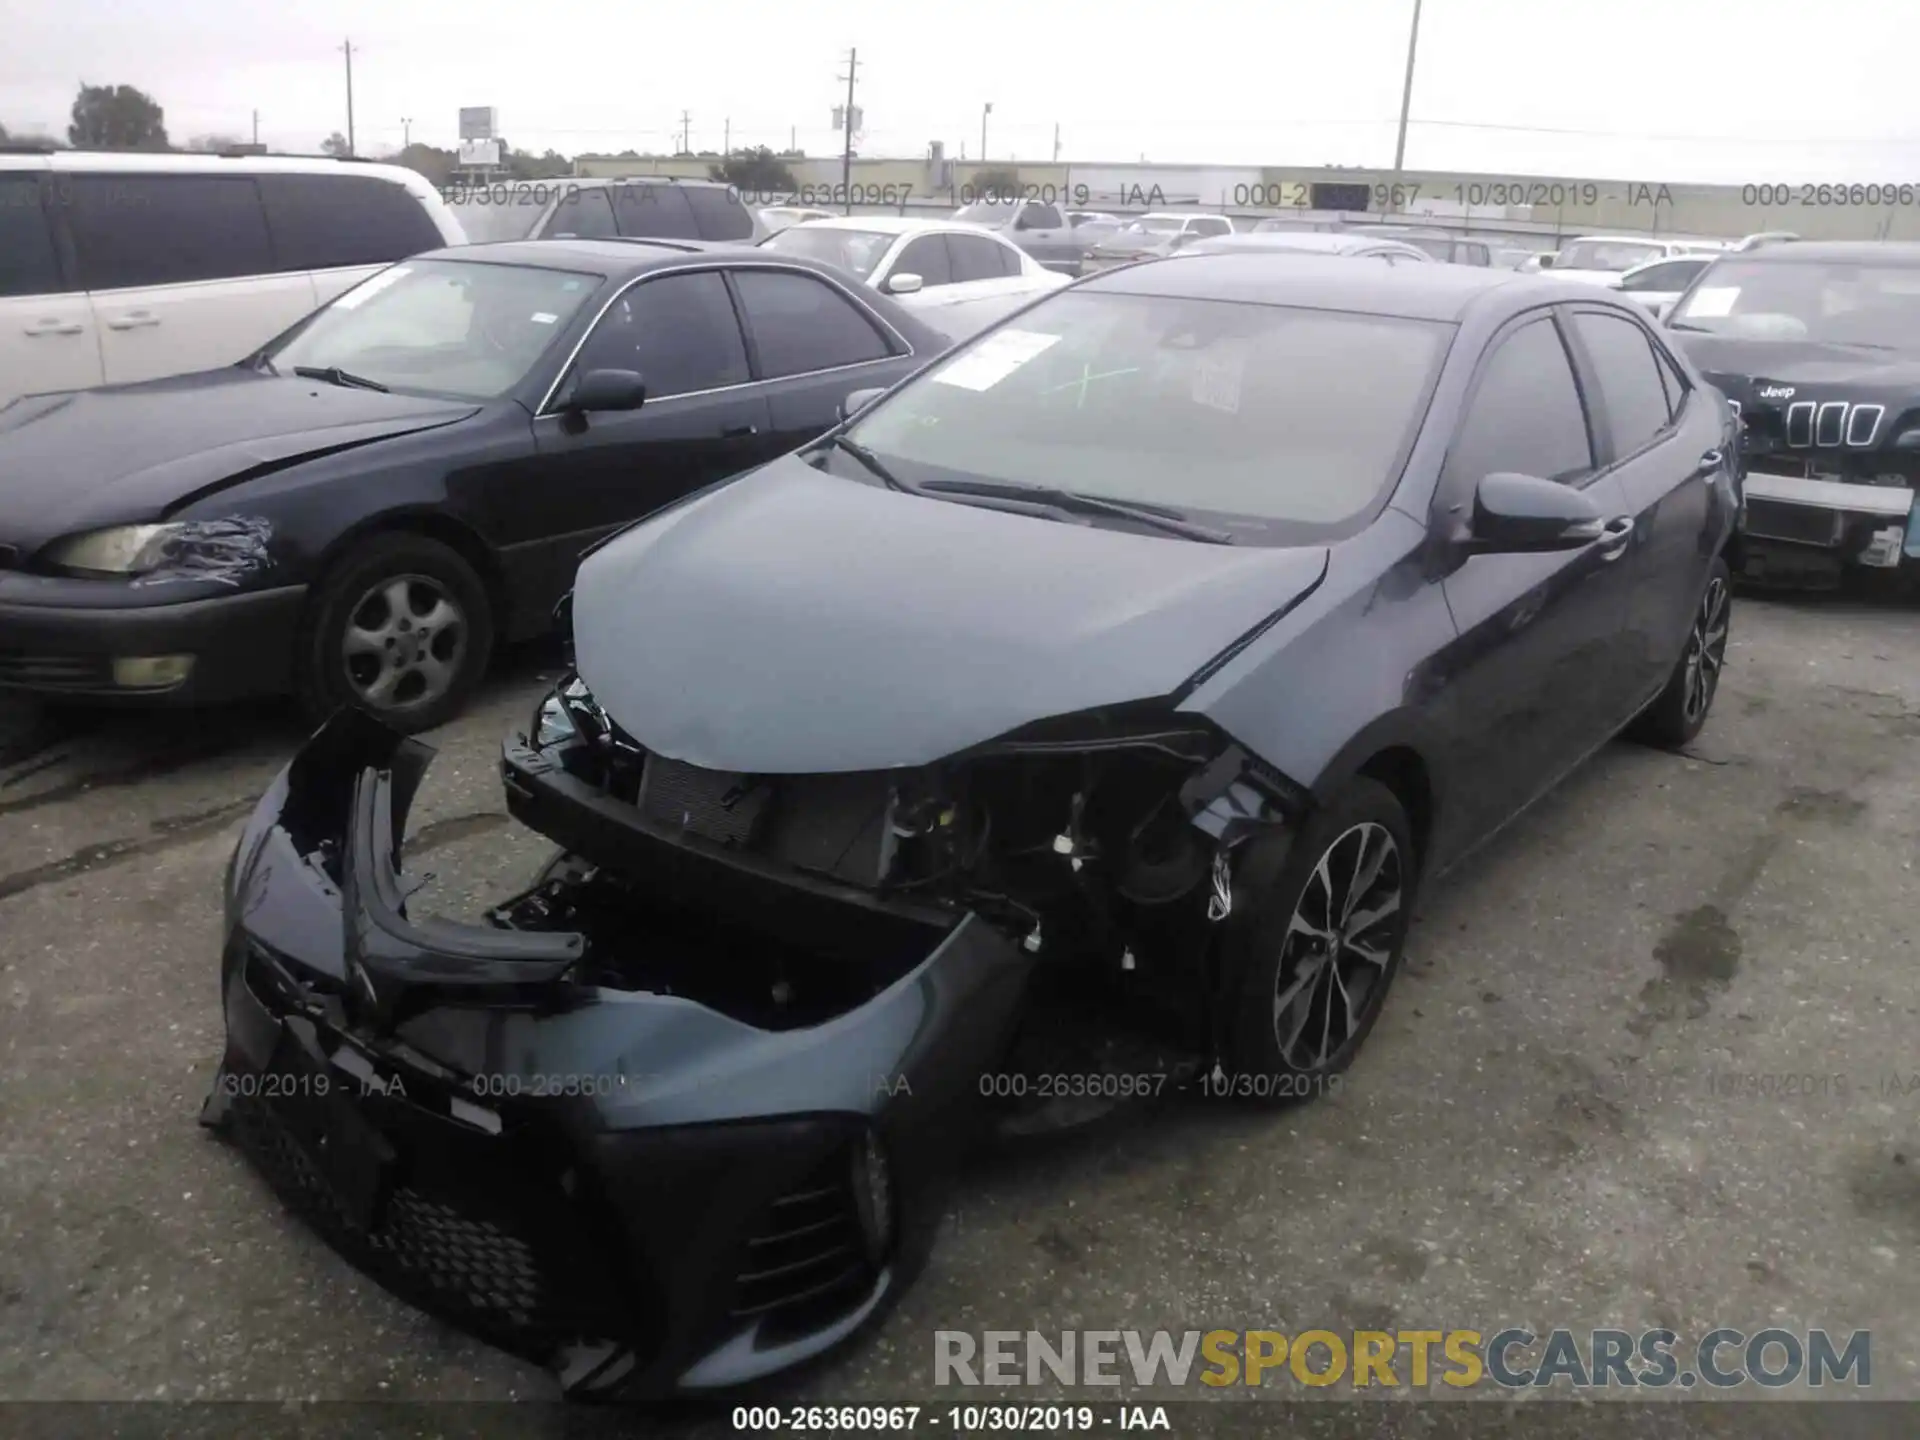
x,y
1200,613
358,512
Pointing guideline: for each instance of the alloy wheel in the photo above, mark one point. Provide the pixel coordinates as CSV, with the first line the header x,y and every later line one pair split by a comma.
x,y
405,642
1707,649
1338,947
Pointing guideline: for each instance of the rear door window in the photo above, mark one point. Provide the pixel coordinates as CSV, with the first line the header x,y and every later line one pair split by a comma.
x,y
1044,217
977,257
28,263
327,222
801,323
657,212
143,230
719,213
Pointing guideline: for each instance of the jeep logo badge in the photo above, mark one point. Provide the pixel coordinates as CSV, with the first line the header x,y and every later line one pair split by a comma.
x,y
1776,392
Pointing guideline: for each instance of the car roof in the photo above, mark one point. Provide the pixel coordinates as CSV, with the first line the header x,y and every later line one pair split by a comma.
x,y
1313,282
1329,242
589,181
611,257
27,156
893,225
1850,252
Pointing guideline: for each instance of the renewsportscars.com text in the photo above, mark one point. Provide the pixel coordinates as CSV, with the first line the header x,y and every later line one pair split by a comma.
x,y
1511,1358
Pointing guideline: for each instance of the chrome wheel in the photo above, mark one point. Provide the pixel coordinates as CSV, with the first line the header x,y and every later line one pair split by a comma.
x,y
1338,947
405,642
1706,649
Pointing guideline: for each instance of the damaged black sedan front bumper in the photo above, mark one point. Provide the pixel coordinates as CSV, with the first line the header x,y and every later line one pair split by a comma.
x,y
636,1189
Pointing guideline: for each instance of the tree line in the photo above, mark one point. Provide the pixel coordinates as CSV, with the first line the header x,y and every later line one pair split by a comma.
x,y
124,117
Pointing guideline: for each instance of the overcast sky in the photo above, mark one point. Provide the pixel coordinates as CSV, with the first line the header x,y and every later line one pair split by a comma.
x,y
1710,90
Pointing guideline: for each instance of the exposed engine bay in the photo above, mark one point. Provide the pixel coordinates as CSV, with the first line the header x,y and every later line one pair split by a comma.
x,y
1100,840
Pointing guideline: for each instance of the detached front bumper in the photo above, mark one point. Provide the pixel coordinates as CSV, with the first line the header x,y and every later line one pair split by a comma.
x,y
1871,525
643,1193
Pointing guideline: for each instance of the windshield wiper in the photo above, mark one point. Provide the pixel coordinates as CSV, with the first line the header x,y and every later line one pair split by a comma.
x,y
1160,517
872,461
1683,325
334,375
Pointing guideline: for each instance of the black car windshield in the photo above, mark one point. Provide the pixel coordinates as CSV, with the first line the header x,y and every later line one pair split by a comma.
x,y
1294,421
1615,255
1806,300
855,250
441,327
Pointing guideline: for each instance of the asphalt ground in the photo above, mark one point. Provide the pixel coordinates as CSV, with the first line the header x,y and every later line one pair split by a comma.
x,y
1563,1119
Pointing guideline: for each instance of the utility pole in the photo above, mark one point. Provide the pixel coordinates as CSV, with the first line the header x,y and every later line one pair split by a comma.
x,y
1406,100
256,127
348,49
846,136
406,132
686,133
726,145
983,131
793,137
1056,142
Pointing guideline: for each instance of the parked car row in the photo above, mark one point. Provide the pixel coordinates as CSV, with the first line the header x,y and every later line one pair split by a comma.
x,y
1166,639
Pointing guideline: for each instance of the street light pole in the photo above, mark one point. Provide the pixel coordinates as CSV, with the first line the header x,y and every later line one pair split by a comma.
x,y
1406,101
406,133
983,131
348,48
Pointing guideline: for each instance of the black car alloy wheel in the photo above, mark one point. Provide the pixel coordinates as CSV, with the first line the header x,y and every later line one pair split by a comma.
x,y
405,642
1707,649
1338,947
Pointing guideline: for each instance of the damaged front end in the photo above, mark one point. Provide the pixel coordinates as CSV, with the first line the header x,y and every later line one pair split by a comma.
x,y
1105,840
550,1131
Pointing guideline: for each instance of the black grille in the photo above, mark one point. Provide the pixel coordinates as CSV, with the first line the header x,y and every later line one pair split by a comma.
x,y
712,804
809,1255
1806,524
487,1274
56,672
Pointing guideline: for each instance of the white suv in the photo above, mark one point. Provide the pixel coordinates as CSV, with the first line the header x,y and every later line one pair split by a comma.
x,y
123,267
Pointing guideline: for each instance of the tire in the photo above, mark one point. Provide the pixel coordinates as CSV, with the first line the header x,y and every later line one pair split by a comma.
x,y
381,597
1680,710
1272,1057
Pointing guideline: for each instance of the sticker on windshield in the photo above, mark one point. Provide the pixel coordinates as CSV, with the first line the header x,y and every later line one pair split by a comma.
x,y
994,358
1713,300
541,317
1216,379
365,292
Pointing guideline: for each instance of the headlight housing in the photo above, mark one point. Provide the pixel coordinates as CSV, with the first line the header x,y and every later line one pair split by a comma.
x,y
226,550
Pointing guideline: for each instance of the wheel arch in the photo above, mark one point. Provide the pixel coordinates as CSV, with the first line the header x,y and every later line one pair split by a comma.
x,y
430,524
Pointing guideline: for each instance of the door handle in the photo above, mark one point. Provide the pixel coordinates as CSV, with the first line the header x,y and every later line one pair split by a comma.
x,y
1710,464
133,320
1614,536
736,432
55,327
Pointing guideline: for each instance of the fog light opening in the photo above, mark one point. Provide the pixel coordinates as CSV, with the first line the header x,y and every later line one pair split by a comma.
x,y
150,672
873,1196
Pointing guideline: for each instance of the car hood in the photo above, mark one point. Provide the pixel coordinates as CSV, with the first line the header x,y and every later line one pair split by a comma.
x,y
131,453
1740,365
1133,245
794,622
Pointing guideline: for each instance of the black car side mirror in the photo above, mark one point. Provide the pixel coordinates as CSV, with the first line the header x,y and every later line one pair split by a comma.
x,y
608,390
1523,514
858,400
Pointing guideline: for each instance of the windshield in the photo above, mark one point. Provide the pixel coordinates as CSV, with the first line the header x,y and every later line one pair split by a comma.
x,y
855,250
485,222
441,327
1806,300
1605,255
1290,421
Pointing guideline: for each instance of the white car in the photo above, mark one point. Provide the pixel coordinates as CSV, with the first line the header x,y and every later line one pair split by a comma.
x,y
1603,259
957,277
1659,283
117,268
784,217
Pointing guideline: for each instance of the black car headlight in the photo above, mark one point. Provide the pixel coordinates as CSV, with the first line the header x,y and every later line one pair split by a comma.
x,y
552,723
226,549
568,712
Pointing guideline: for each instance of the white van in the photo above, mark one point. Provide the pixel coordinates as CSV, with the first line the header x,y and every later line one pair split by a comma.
x,y
123,267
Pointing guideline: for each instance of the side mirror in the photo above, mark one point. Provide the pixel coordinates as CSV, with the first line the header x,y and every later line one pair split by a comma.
x,y
1662,310
607,390
858,400
1546,262
907,284
1523,515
